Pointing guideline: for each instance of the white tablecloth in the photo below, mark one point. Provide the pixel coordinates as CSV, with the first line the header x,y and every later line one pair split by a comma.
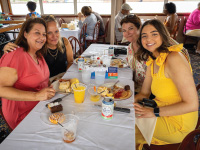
x,y
94,133
67,33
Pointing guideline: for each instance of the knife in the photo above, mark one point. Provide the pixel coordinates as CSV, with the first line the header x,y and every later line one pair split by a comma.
x,y
126,110
58,99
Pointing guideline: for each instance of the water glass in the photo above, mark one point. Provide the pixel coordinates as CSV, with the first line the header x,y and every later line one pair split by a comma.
x,y
99,77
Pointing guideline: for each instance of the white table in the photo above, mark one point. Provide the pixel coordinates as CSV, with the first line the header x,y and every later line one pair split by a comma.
x,y
67,33
94,133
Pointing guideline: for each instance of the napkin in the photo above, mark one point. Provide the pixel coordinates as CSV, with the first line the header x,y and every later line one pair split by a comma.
x,y
146,127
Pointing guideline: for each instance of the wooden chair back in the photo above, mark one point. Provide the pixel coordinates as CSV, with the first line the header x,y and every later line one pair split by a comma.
x,y
60,21
175,30
76,46
103,37
82,38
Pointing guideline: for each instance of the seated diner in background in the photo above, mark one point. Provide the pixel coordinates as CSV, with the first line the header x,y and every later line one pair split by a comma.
x,y
59,54
169,77
90,19
24,73
193,22
172,17
99,18
31,7
125,10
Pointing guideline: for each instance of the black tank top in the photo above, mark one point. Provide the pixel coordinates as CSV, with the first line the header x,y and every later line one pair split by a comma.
x,y
56,61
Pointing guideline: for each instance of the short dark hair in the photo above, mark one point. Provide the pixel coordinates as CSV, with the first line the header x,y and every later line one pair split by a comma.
x,y
134,19
27,27
31,5
86,11
170,7
143,54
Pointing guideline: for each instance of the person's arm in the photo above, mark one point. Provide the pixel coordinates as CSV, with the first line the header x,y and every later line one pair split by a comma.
x,y
80,23
69,52
172,22
10,47
118,25
182,77
196,19
8,77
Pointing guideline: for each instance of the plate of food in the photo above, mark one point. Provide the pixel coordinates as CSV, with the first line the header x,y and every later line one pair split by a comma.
x,y
119,63
86,60
63,86
53,112
118,91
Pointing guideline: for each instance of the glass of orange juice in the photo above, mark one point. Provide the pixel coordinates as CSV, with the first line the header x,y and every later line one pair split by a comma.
x,y
79,92
94,96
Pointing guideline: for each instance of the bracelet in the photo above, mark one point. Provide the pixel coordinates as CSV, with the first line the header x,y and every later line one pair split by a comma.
x,y
156,111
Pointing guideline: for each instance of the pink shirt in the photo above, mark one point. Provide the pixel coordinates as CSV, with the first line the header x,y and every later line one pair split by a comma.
x,y
193,21
31,77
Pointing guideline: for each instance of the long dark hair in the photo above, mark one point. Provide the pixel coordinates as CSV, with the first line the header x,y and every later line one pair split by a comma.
x,y
27,27
143,54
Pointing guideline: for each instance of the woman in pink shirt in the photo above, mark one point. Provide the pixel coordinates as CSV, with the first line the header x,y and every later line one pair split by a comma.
x,y
193,22
24,73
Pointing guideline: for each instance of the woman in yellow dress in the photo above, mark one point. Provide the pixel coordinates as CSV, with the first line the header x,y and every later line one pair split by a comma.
x,y
169,78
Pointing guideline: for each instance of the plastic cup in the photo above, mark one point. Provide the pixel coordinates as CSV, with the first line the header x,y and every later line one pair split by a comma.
x,y
107,60
94,96
68,131
86,75
79,92
99,77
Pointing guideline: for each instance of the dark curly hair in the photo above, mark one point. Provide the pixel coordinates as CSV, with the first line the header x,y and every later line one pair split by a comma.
x,y
134,19
142,53
31,5
170,7
27,27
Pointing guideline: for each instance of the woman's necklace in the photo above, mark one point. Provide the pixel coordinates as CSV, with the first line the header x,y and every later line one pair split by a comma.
x,y
53,53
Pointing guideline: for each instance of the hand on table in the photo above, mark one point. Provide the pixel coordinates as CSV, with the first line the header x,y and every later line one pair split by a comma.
x,y
10,47
45,94
143,112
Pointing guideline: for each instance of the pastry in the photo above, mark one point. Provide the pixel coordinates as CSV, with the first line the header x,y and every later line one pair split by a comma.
x,y
64,85
55,117
55,107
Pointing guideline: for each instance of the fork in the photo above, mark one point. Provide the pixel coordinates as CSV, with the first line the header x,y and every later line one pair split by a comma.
x,y
112,87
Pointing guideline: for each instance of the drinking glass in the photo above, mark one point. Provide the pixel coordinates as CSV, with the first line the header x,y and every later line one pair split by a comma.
x,y
79,92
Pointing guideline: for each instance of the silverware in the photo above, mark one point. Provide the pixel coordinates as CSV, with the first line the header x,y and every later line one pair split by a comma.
x,y
58,99
112,87
126,110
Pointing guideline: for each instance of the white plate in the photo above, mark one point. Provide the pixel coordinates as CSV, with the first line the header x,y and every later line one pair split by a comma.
x,y
110,84
124,62
56,87
44,116
87,60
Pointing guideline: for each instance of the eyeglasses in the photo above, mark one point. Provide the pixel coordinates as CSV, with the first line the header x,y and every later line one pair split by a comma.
x,y
130,16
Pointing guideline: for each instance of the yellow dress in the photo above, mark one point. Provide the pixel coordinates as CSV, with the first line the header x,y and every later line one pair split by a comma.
x,y
169,129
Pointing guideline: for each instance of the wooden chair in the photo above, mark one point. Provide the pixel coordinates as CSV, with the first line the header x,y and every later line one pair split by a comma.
x,y
186,37
76,47
95,34
82,38
60,21
175,30
103,37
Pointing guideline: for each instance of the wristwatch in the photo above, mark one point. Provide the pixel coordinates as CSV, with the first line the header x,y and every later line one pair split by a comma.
x,y
156,111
